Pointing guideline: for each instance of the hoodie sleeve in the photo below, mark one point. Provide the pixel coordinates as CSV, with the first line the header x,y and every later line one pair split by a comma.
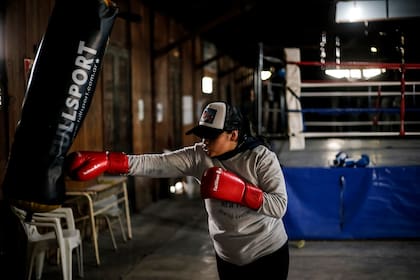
x,y
187,161
271,181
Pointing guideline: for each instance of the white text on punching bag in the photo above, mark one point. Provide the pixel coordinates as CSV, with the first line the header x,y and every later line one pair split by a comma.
x,y
80,76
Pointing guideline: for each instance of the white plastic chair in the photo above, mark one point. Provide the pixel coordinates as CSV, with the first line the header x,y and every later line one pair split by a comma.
x,y
60,233
112,213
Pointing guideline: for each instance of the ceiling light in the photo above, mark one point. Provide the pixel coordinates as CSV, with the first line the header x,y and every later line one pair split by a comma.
x,y
265,75
370,73
354,13
207,85
354,73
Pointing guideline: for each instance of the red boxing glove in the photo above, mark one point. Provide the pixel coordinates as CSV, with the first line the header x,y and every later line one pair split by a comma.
x,y
224,185
86,165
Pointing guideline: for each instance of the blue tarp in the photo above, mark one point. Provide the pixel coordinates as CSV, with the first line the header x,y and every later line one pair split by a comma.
x,y
353,203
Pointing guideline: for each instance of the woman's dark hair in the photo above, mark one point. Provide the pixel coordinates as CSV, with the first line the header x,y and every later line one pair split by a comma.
x,y
248,131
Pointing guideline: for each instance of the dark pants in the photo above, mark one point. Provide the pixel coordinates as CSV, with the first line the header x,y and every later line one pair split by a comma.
x,y
273,266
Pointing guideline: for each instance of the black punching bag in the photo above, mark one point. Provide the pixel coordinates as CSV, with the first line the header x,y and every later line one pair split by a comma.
x,y
60,90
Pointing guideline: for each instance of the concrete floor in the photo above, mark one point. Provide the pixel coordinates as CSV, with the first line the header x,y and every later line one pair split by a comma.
x,y
170,241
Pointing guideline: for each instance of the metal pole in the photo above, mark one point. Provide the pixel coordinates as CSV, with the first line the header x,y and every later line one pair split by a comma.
x,y
258,89
402,103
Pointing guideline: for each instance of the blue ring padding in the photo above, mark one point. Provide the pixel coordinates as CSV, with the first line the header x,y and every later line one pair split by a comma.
x,y
352,203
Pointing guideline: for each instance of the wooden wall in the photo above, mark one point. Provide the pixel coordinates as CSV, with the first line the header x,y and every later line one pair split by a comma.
x,y
165,83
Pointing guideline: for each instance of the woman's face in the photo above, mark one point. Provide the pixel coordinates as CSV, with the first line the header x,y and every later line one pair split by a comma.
x,y
225,142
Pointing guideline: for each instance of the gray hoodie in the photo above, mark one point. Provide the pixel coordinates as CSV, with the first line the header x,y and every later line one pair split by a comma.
x,y
240,235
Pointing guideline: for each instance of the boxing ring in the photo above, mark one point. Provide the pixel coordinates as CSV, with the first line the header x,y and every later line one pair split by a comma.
x,y
380,119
